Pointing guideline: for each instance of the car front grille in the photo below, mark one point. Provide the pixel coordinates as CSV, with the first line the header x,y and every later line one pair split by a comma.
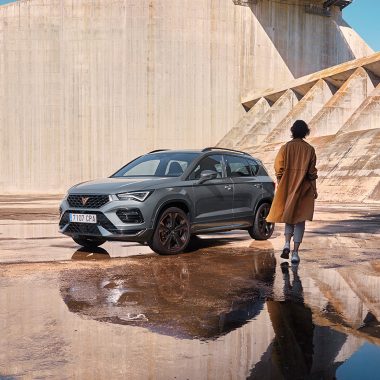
x,y
87,228
83,229
87,201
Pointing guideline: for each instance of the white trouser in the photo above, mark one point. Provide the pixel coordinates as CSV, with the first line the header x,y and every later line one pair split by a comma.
x,y
296,230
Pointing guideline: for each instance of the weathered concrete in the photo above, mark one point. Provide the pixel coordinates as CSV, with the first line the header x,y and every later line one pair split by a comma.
x,y
248,121
336,75
367,116
342,104
305,109
345,130
86,85
257,133
348,164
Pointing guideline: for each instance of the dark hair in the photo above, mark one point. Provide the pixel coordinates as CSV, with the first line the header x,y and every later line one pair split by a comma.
x,y
299,129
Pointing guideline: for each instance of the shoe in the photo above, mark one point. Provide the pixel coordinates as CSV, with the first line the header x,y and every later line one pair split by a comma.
x,y
295,258
285,251
284,267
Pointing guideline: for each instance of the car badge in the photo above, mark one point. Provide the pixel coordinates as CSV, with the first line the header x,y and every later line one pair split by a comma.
x,y
84,200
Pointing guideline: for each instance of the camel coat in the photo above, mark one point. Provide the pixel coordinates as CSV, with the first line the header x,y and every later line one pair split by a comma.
x,y
296,174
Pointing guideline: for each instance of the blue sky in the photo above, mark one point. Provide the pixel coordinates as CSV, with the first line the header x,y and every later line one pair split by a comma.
x,y
362,15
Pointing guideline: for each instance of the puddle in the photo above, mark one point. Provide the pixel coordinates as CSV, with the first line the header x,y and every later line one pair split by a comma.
x,y
227,309
186,297
222,314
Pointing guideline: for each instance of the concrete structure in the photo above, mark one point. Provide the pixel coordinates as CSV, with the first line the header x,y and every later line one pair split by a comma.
x,y
341,105
86,85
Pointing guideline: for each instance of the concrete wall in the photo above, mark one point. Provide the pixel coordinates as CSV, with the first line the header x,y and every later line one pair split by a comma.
x,y
86,85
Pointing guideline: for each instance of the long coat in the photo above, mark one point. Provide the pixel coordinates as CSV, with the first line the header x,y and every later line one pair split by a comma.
x,y
296,174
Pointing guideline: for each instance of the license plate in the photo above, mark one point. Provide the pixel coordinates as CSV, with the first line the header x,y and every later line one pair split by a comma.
x,y
82,218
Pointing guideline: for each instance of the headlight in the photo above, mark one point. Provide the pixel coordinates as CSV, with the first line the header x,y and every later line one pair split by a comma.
x,y
134,196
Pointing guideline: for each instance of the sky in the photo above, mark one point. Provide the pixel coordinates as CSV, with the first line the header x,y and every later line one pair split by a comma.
x,y
362,15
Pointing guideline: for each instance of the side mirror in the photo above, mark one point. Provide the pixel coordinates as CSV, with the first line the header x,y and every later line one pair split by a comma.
x,y
207,175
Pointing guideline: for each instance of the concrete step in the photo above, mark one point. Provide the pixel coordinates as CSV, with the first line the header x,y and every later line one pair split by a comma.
x,y
343,104
270,120
245,123
305,109
367,116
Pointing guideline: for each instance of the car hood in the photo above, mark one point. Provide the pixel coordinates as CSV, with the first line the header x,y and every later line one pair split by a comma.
x,y
119,185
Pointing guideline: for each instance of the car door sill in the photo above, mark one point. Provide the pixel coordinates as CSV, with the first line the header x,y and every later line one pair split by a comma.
x,y
228,227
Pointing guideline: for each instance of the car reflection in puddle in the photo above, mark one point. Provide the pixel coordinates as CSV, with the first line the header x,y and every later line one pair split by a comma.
x,y
188,296
291,329
84,254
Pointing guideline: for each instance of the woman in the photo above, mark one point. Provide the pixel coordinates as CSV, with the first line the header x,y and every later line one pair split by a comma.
x,y
296,174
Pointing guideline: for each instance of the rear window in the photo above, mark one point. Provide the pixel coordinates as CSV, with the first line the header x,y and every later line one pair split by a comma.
x,y
254,165
237,167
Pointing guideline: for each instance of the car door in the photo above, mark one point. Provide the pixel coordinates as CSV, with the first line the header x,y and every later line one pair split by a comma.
x,y
212,199
248,189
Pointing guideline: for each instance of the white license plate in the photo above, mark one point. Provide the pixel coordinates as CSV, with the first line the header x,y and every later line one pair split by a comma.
x,y
82,218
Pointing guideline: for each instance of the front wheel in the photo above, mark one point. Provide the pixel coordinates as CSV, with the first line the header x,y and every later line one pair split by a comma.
x,y
89,242
172,233
261,230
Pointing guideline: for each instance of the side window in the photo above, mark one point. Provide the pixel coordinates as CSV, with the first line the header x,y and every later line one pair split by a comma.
x,y
254,167
237,167
208,163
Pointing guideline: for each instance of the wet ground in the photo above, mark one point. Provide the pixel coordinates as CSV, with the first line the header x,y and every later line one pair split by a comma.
x,y
227,309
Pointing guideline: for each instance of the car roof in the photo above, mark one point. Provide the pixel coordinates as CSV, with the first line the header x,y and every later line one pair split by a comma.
x,y
164,151
201,151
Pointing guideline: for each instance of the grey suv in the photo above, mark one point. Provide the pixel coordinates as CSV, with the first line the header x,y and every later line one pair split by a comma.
x,y
164,197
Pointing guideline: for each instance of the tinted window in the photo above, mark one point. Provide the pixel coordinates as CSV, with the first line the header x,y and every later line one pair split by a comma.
x,y
208,163
158,165
237,167
254,166
144,168
174,167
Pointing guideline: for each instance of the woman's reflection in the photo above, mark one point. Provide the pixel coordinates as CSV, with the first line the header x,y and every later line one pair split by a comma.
x,y
292,352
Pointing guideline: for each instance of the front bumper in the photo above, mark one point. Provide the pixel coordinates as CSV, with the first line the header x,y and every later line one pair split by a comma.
x,y
111,222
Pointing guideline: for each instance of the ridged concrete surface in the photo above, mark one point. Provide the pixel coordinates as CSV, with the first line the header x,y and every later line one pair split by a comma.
x,y
257,133
345,129
253,116
342,104
305,109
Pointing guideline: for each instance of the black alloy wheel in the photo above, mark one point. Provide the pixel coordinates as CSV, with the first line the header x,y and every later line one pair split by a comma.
x,y
261,229
172,233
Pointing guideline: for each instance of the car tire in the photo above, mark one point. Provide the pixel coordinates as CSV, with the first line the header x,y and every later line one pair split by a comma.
x,y
261,230
172,232
89,242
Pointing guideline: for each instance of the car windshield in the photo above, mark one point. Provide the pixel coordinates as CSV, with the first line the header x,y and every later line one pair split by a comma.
x,y
158,165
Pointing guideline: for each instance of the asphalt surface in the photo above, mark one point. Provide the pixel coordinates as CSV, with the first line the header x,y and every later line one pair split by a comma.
x,y
229,308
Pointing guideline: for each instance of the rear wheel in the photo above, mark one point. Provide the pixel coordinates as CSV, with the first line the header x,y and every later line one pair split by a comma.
x,y
261,230
89,242
172,233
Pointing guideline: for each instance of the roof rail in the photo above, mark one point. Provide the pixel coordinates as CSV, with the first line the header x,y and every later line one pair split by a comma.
x,y
158,150
230,150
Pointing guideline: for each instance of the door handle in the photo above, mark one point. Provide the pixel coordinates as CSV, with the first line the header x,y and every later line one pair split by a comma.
x,y
228,187
258,185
